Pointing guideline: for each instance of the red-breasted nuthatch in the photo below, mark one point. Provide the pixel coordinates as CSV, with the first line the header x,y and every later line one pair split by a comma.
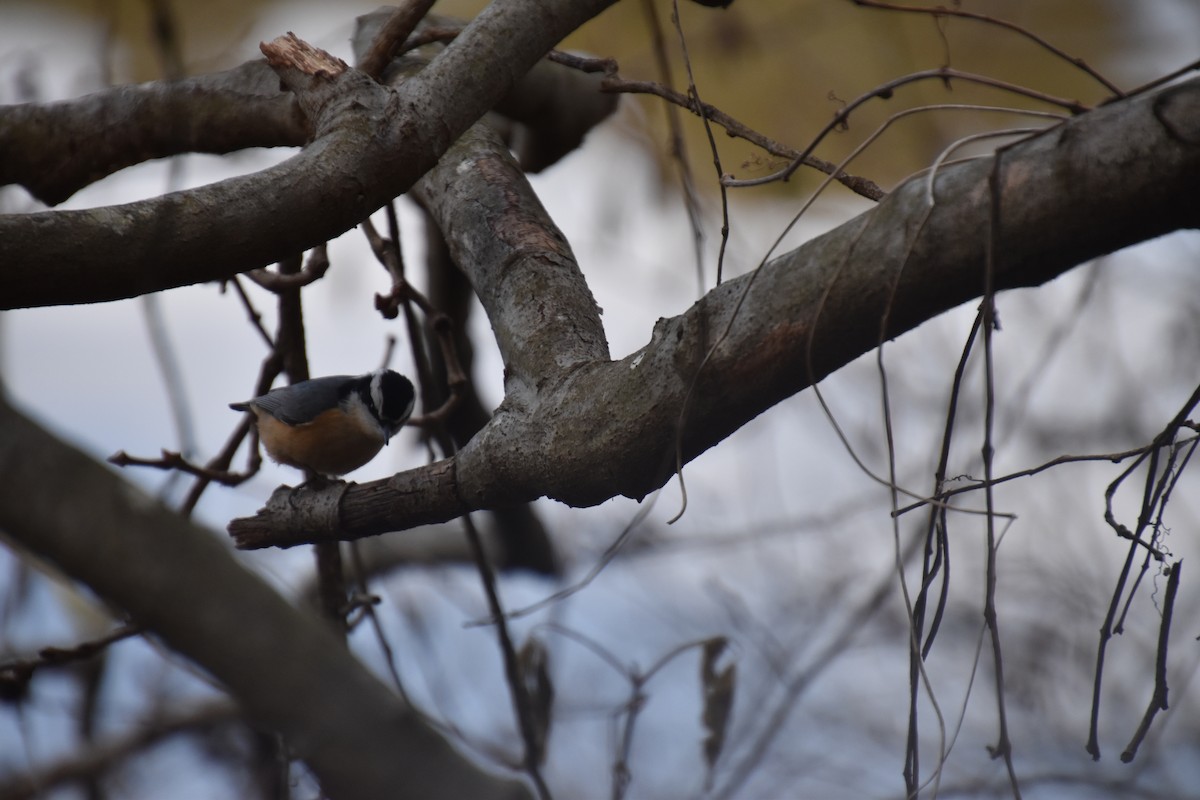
x,y
332,425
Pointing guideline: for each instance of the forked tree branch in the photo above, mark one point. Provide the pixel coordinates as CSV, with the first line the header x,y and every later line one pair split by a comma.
x,y
582,429
372,143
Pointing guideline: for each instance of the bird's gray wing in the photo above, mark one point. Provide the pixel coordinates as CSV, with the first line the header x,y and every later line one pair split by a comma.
x,y
304,401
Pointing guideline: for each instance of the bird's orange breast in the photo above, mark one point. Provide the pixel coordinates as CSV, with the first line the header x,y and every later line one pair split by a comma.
x,y
334,443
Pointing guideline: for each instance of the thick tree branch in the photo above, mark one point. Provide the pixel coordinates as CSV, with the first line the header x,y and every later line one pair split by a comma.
x,y
286,669
553,105
372,144
521,266
594,429
56,149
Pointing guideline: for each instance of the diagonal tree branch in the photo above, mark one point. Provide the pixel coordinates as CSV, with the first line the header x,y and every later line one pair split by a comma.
x,y
592,429
542,312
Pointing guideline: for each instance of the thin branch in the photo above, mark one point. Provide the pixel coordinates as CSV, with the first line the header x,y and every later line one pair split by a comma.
x,y
1158,701
16,674
271,367
456,377
251,312
859,185
1163,80
607,557
988,324
886,90
940,498
387,251
111,754
691,200
171,460
1154,488
512,667
166,357
945,11
916,663
637,699
217,468
392,37
314,269
694,96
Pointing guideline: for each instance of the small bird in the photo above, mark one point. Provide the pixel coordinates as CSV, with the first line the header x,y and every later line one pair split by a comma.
x,y
332,425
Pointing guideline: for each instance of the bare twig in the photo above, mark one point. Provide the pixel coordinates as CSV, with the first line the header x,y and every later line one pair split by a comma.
x,y
945,11
694,95
166,41
251,312
691,201
606,558
1164,79
392,37
988,324
1158,701
171,460
16,674
314,269
102,758
456,377
861,186
886,90
430,34
387,251
1154,491
633,706
940,498
512,667
584,63
271,367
